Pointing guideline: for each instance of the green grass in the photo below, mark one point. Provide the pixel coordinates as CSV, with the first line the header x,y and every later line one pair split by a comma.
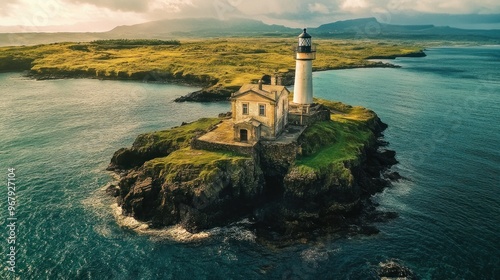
x,y
347,140
347,112
211,62
329,144
188,164
135,42
177,137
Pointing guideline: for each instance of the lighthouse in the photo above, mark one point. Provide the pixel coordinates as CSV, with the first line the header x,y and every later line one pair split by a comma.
x,y
304,55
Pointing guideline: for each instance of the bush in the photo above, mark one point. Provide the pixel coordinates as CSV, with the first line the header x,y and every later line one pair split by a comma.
x,y
136,42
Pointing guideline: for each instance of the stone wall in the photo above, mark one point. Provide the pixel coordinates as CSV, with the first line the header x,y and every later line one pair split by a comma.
x,y
319,115
275,159
198,144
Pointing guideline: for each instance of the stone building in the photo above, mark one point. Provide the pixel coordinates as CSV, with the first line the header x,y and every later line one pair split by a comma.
x,y
259,112
263,111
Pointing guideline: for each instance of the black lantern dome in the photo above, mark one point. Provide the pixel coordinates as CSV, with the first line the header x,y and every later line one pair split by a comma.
x,y
305,42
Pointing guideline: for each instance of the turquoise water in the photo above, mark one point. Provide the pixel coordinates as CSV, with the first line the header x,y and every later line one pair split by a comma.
x,y
443,114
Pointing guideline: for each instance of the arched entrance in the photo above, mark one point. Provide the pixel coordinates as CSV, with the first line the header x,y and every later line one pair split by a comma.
x,y
243,135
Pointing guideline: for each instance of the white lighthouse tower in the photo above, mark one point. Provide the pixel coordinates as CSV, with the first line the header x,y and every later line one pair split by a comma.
x,y
304,55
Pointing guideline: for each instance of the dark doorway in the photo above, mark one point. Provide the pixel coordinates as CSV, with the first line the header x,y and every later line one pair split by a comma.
x,y
243,135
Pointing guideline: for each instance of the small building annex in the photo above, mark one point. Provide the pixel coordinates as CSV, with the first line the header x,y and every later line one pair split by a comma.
x,y
259,112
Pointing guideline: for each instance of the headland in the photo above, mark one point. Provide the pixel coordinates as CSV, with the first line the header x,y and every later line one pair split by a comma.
x,y
311,180
218,66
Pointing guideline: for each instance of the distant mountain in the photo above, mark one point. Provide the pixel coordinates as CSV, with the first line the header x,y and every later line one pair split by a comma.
x,y
240,27
355,28
371,28
367,25
201,27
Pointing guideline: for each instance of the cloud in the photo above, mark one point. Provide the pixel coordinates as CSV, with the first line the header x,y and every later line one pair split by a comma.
x,y
354,5
117,5
7,6
294,13
448,7
318,8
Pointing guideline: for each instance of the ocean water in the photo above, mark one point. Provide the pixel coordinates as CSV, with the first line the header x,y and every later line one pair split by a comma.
x,y
443,113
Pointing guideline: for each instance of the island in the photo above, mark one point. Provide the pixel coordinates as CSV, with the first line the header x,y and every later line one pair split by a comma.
x,y
318,180
291,164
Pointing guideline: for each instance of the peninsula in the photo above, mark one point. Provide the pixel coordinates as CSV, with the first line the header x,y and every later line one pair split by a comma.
x,y
293,167
220,66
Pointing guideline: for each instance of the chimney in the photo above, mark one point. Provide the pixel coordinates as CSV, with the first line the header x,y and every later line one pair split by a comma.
x,y
260,84
276,80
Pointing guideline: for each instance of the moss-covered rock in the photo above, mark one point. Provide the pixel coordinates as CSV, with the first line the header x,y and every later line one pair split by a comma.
x,y
148,146
195,188
328,178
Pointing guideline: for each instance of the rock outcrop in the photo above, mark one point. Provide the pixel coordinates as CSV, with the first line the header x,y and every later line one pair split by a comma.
x,y
209,191
210,94
393,269
319,183
420,53
159,144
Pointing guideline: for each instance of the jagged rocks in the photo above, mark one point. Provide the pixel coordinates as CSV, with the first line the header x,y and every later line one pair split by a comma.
x,y
205,193
207,95
392,270
125,158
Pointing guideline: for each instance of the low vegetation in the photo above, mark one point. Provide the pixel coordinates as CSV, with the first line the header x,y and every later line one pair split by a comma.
x,y
227,62
157,144
135,42
191,164
329,144
174,138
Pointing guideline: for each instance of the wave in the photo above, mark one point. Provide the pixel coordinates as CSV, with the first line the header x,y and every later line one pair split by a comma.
x,y
177,233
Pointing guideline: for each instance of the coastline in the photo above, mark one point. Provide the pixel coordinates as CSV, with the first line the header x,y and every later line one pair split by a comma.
x,y
164,182
214,94
207,93
217,67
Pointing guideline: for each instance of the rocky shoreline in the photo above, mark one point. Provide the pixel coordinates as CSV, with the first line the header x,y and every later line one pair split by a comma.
x,y
164,182
413,54
215,94
211,90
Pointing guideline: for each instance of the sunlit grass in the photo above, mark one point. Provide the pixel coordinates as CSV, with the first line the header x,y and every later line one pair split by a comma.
x,y
227,63
327,145
192,164
178,137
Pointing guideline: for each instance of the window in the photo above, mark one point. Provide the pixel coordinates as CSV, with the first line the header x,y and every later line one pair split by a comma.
x,y
304,42
245,108
262,109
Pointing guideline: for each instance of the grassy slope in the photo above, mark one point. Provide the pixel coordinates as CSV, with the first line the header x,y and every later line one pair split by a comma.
x,y
183,160
227,62
331,143
196,164
177,137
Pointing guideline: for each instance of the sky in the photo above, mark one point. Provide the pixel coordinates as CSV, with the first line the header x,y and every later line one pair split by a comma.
x,y
103,15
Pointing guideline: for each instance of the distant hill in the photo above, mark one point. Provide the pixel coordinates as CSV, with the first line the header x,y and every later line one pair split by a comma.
x,y
355,28
202,27
371,28
239,27
367,25
19,39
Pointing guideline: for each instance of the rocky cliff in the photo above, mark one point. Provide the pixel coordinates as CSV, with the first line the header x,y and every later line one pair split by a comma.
x,y
320,183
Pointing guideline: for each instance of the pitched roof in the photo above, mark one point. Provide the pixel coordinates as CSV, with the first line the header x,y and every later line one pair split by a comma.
x,y
267,91
250,121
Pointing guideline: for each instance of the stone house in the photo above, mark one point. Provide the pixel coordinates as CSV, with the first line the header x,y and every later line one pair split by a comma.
x,y
259,112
